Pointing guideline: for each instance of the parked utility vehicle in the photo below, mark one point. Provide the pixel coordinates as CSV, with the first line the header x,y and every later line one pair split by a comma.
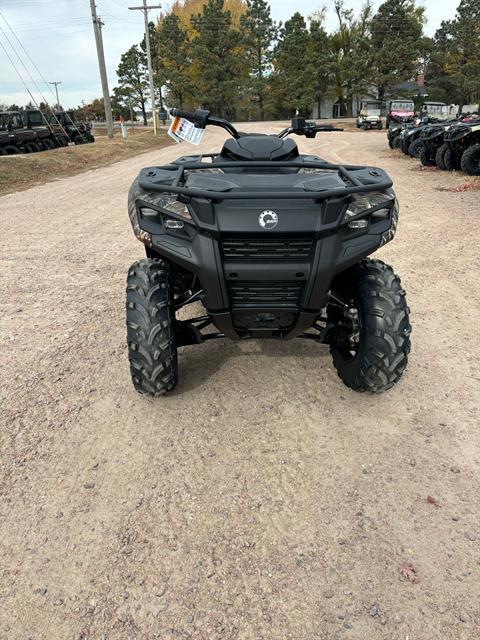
x,y
435,111
274,244
400,110
48,136
79,131
369,116
21,139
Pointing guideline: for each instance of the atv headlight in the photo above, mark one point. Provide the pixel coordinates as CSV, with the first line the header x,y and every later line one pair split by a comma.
x,y
169,202
364,202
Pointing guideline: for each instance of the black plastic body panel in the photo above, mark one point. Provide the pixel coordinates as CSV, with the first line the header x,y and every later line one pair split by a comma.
x,y
261,282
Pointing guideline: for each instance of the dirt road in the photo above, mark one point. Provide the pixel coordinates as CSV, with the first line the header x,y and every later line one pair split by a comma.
x,y
262,499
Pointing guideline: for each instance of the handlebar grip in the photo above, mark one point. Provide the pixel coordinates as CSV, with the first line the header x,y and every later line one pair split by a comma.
x,y
189,115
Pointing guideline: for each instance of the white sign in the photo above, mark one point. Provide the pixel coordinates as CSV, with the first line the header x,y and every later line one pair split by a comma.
x,y
182,129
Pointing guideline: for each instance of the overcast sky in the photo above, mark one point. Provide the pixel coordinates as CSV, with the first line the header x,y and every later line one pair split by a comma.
x,y
58,36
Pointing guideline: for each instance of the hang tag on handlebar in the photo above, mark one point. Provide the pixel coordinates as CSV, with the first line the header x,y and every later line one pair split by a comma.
x,y
182,129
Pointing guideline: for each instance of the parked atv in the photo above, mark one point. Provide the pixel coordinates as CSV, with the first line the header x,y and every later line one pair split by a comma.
x,y
463,147
369,116
397,125
433,148
410,142
399,110
78,131
274,244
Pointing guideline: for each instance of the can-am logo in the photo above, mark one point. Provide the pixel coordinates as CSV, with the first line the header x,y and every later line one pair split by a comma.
x,y
268,219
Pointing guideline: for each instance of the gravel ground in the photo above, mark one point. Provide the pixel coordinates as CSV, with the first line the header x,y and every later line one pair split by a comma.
x,y
262,499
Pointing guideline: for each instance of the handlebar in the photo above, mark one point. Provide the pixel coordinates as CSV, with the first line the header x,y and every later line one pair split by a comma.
x,y
201,118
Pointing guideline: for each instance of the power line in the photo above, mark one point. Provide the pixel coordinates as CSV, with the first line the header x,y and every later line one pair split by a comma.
x,y
28,73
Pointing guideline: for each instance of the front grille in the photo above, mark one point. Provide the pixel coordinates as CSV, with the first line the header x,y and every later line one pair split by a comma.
x,y
269,249
266,294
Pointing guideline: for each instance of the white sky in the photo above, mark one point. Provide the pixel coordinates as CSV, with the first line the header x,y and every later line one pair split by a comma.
x,y
58,35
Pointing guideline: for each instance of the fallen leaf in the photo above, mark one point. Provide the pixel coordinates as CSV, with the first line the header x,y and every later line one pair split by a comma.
x,y
408,572
431,500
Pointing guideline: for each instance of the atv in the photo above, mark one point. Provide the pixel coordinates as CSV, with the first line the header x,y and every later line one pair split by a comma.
x,y
369,116
409,140
395,128
434,147
462,149
274,244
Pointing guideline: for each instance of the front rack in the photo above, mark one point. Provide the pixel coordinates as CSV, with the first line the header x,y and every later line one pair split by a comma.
x,y
372,178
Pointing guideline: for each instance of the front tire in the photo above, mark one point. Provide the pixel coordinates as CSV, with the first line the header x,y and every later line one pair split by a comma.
x,y
449,160
439,156
425,158
151,336
377,359
415,148
471,160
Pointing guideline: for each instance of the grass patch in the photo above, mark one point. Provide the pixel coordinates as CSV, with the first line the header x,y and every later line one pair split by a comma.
x,y
27,170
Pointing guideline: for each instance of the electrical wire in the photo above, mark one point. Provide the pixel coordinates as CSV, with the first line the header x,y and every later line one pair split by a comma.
x,y
31,77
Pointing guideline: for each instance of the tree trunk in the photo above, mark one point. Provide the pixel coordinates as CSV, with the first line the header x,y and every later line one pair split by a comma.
x,y
144,113
262,110
349,113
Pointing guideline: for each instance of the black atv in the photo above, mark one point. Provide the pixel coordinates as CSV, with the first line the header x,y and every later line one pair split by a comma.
x,y
434,147
78,131
395,128
410,141
274,244
463,147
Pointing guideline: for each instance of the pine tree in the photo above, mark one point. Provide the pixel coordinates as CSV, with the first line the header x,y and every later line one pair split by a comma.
x,y
173,52
397,43
352,46
216,59
294,67
323,58
258,31
132,77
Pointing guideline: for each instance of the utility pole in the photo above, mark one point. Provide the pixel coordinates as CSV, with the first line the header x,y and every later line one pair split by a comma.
x,y
56,91
145,10
97,28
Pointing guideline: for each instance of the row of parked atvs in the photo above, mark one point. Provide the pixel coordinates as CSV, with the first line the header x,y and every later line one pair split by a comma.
x,y
30,130
448,144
